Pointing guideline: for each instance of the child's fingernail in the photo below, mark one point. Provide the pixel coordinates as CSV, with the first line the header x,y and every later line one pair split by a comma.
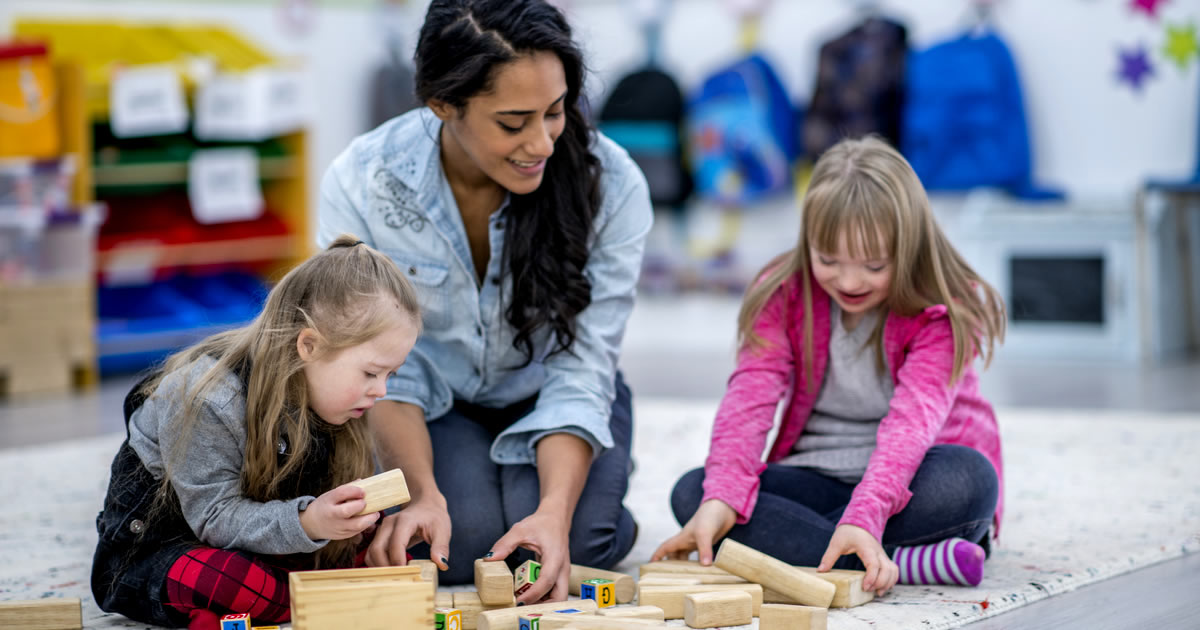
x,y
488,554
444,560
520,603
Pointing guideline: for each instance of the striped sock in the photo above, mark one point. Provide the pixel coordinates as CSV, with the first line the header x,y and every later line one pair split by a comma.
x,y
952,561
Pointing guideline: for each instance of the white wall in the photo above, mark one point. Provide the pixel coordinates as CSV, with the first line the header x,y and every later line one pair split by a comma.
x,y
1091,136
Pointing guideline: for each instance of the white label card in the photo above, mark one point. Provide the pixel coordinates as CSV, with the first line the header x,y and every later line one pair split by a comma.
x,y
147,101
223,185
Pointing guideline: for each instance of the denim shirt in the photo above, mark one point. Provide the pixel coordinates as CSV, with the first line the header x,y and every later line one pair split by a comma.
x,y
388,188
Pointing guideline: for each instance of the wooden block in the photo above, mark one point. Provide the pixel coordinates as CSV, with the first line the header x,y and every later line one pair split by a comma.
x,y
660,579
443,599
509,618
848,583
467,602
599,589
376,598
494,582
447,619
384,490
525,576
623,585
710,610
670,598
787,617
265,627
653,613
42,614
235,622
681,566
773,573
529,622
692,578
429,572
558,621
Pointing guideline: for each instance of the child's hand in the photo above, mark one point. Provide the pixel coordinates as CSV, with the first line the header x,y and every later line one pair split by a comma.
x,y
332,515
712,520
882,573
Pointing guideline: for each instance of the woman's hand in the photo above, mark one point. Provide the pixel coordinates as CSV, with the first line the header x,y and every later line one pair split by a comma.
x,y
545,533
882,573
712,520
425,519
331,516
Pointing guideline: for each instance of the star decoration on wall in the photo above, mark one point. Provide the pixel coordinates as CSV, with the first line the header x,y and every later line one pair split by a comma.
x,y
1149,7
1135,67
1182,46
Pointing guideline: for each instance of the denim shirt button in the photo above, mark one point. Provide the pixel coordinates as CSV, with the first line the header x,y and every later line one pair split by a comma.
x,y
136,526
479,330
496,280
412,271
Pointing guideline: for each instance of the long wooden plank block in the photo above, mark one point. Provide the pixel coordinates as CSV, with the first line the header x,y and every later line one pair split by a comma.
x,y
773,573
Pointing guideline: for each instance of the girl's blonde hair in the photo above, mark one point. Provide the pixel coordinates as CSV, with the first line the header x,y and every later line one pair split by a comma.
x,y
347,294
865,190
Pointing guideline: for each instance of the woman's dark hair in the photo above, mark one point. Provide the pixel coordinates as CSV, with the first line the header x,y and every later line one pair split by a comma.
x,y
462,44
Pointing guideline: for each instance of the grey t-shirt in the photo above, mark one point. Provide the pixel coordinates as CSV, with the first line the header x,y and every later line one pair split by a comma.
x,y
208,481
840,435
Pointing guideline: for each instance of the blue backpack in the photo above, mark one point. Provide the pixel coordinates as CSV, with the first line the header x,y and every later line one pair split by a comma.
x,y
741,134
964,119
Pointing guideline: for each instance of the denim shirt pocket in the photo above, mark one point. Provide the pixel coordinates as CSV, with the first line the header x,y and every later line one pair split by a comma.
x,y
430,280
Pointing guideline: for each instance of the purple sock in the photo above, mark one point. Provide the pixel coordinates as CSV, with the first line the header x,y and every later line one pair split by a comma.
x,y
952,561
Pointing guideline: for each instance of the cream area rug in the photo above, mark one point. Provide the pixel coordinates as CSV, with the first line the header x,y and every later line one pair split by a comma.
x,y
1090,495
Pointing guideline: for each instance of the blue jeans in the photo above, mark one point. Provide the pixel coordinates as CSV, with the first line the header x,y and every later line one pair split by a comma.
x,y
485,499
954,494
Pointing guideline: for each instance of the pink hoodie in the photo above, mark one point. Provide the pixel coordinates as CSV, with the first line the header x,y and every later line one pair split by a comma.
x,y
924,410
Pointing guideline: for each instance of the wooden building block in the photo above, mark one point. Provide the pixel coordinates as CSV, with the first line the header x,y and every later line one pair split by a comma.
x,y
710,610
662,579
42,614
379,598
788,617
848,583
623,585
691,578
680,566
429,572
801,587
599,589
494,582
509,618
653,613
529,622
467,602
265,627
558,621
385,490
525,576
447,619
670,598
443,599
235,622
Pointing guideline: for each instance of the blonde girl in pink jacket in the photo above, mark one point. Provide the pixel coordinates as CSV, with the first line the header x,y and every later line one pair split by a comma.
x,y
887,457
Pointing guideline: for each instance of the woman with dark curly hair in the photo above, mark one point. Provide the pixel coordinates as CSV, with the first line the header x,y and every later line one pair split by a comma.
x,y
522,229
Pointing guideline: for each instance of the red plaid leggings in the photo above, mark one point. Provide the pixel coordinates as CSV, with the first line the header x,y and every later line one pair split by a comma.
x,y
228,582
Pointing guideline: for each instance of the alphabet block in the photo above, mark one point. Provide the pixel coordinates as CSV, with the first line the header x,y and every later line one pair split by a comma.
x,y
599,589
525,576
447,619
235,622
624,585
509,618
